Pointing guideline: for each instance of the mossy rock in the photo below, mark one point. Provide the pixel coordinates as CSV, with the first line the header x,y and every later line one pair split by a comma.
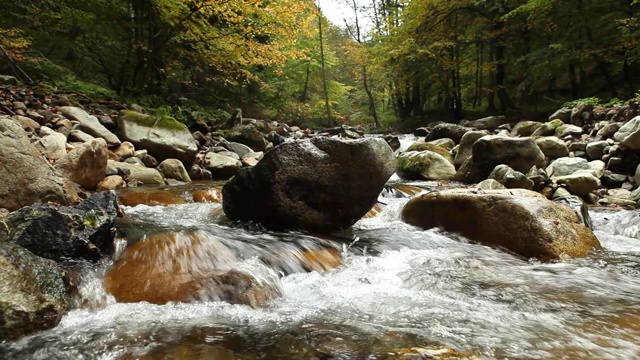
x,y
163,122
420,146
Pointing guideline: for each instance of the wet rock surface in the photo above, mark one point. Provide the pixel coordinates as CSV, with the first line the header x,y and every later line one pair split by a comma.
x,y
321,184
33,296
85,231
521,221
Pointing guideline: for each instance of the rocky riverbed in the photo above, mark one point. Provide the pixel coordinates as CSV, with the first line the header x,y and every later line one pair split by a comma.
x,y
522,188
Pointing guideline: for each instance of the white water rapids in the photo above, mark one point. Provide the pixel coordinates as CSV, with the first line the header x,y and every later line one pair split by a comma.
x,y
399,286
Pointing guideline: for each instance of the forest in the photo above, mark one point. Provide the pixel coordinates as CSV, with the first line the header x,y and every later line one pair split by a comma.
x,y
415,60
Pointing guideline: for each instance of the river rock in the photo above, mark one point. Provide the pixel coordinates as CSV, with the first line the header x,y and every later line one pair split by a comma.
x,y
53,146
446,130
548,128
426,165
521,221
125,150
174,169
184,267
525,128
520,154
89,124
80,136
552,147
86,164
579,183
240,149
140,173
629,134
32,292
422,146
28,125
568,130
595,150
489,184
446,143
26,176
319,184
164,137
563,114
608,131
393,141
578,206
85,231
510,178
247,135
220,166
567,166
466,146
112,182
488,123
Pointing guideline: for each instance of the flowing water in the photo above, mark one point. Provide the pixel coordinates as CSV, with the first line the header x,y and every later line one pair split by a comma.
x,y
398,287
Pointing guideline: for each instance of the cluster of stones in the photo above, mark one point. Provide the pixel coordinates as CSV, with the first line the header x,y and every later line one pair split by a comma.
x,y
585,151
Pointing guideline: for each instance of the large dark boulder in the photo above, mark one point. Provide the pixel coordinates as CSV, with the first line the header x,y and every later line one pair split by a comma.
x,y
84,231
520,154
522,221
320,184
32,292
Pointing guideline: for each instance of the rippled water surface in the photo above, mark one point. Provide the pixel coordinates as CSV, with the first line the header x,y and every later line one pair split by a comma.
x,y
398,287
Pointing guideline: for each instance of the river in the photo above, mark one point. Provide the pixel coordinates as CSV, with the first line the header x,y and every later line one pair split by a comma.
x,y
398,287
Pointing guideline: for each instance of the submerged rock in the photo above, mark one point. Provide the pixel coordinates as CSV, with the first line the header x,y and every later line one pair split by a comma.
x,y
84,231
521,221
208,196
150,198
320,184
184,267
32,292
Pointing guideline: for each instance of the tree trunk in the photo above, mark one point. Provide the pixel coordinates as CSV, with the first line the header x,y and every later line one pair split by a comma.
x,y
324,74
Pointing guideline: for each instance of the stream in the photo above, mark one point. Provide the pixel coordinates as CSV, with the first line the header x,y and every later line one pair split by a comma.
x,y
398,287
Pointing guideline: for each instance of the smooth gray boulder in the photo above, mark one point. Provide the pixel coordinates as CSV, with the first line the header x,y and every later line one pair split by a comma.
x,y
174,169
220,166
321,184
89,124
140,173
488,123
27,178
163,137
629,134
567,166
53,146
552,147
